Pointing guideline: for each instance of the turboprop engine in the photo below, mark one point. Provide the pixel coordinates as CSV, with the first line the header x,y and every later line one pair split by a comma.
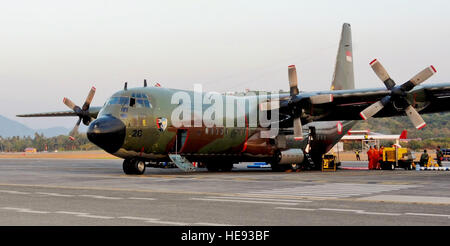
x,y
291,156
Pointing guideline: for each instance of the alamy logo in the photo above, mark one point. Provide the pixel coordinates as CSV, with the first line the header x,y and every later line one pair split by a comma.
x,y
212,109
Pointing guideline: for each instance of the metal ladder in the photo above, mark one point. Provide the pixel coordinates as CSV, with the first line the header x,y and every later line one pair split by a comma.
x,y
182,163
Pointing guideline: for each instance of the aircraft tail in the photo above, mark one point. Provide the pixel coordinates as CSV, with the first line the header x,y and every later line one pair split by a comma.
x,y
404,134
343,78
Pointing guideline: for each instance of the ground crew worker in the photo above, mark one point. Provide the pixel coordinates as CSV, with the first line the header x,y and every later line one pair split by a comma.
x,y
380,157
439,156
357,155
369,157
424,158
375,157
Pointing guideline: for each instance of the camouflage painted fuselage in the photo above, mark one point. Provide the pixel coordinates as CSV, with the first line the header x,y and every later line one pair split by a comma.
x,y
146,140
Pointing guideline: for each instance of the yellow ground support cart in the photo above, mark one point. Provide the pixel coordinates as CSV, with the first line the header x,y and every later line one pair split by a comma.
x,y
329,162
394,157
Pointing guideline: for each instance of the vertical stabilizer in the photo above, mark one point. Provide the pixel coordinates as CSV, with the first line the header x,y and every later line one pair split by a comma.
x,y
343,78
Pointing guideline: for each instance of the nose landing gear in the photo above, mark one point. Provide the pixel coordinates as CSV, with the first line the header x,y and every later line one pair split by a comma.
x,y
133,166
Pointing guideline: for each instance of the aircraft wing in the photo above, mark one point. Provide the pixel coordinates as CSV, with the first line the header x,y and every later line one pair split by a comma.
x,y
348,104
93,112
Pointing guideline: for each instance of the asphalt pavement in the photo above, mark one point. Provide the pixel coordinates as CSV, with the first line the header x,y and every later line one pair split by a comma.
x,y
97,192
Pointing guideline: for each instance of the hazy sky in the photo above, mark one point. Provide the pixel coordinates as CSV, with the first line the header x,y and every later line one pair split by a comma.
x,y
53,49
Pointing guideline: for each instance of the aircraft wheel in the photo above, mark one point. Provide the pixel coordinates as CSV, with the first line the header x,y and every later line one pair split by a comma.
x,y
133,166
139,167
127,166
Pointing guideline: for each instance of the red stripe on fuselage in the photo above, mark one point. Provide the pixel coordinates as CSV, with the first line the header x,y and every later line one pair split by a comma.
x,y
246,135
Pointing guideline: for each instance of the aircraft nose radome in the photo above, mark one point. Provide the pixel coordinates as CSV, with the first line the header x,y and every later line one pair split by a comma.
x,y
107,132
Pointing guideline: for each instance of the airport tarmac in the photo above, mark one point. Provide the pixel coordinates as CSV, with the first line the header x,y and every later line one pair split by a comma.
x,y
96,192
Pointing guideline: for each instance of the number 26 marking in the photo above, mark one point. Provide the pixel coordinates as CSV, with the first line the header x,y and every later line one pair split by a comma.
x,y
137,133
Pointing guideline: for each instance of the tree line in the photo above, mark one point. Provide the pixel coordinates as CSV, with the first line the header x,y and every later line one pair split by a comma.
x,y
436,133
42,143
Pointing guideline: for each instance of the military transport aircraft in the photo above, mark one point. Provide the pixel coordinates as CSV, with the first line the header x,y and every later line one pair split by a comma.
x,y
136,124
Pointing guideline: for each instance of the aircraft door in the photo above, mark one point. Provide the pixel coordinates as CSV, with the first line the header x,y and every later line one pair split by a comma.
x,y
181,140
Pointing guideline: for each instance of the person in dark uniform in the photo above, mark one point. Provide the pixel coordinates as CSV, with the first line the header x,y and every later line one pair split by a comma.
x,y
424,158
439,156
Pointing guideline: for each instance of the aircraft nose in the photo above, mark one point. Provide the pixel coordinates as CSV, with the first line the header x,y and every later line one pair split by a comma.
x,y
107,132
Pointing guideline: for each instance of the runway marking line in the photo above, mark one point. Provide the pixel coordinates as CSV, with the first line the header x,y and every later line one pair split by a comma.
x,y
167,222
54,194
102,197
136,218
256,199
433,215
141,198
242,201
14,192
88,215
26,210
70,213
95,216
357,211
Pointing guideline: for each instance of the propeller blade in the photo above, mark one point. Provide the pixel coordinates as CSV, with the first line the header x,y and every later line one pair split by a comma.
x,y
381,72
293,83
74,130
89,99
371,110
415,117
423,75
69,103
320,99
298,132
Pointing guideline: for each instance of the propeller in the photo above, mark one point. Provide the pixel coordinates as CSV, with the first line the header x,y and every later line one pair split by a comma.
x,y
398,94
296,102
296,110
82,113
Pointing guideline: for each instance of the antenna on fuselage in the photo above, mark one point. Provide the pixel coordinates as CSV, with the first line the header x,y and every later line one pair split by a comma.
x,y
145,83
125,86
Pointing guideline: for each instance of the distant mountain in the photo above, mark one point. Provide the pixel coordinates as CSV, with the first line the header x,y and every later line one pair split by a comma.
x,y
10,128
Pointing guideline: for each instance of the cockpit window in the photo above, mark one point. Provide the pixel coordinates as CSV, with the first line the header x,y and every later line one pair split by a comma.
x,y
118,100
139,95
140,103
139,100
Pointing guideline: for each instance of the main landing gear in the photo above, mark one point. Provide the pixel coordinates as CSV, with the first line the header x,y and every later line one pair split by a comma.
x,y
133,166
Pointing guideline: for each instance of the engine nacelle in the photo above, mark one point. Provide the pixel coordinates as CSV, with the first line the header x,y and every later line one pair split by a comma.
x,y
291,156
